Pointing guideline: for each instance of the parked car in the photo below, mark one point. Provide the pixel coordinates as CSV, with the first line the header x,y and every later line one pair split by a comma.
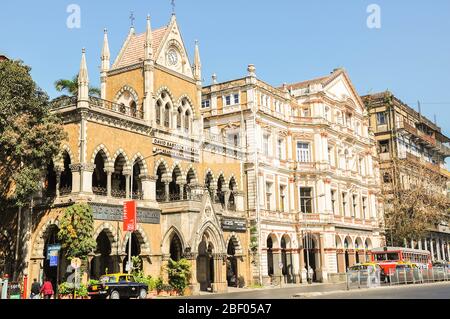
x,y
118,286
406,272
366,269
441,270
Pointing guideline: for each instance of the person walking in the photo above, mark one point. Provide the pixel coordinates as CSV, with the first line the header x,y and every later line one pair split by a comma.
x,y
47,289
35,290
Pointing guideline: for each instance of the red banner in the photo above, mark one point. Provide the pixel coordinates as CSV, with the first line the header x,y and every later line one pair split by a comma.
x,y
129,216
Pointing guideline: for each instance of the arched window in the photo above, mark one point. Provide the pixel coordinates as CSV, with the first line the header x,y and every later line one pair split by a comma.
x,y
133,108
158,112
187,122
65,185
160,185
179,115
99,178
167,115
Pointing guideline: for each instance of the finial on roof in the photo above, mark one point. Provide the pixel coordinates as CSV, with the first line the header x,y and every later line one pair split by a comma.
x,y
148,40
251,70
83,78
197,63
105,52
172,3
214,78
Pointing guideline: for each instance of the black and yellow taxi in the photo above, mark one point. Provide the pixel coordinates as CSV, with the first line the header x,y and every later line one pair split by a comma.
x,y
117,286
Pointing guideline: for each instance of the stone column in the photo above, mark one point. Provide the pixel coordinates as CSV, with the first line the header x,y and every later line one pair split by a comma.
x,y
58,171
426,244
362,256
128,175
323,266
296,268
213,191
82,177
109,171
302,270
351,257
341,261
148,187
420,244
432,249
181,182
443,249
438,248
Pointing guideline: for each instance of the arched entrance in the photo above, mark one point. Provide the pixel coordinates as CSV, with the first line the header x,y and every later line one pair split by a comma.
x,y
232,265
347,255
286,258
205,264
176,248
311,256
270,246
135,250
103,263
51,272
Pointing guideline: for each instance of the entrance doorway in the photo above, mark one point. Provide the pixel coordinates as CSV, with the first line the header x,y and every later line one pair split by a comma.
x,y
135,250
232,266
205,265
48,272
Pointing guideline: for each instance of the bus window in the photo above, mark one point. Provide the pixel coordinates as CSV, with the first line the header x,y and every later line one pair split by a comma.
x,y
392,256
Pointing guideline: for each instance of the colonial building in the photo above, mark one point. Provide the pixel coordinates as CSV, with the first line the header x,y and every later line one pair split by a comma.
x,y
310,172
144,139
410,145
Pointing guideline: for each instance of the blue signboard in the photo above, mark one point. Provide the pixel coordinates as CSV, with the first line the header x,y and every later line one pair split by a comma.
x,y
54,261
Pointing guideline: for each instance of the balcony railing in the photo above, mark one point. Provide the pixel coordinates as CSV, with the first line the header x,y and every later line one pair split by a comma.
x,y
64,101
116,108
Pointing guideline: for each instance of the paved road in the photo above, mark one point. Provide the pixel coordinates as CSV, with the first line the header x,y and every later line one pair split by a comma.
x,y
428,291
333,291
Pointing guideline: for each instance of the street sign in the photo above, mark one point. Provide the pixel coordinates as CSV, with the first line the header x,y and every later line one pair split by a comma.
x,y
75,263
54,261
129,216
53,250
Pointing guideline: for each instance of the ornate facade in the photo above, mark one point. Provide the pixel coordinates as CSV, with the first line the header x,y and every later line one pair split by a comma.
x,y
311,173
143,139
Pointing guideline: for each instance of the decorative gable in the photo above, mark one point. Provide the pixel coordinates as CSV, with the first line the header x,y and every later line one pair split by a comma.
x,y
172,53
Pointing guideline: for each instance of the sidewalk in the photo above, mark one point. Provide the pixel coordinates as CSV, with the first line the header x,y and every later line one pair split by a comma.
x,y
299,288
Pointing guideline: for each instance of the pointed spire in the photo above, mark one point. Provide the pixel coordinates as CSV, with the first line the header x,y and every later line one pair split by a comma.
x,y
83,78
197,63
105,53
148,40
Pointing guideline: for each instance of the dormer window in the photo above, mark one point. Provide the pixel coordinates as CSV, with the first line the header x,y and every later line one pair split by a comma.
x,y
206,104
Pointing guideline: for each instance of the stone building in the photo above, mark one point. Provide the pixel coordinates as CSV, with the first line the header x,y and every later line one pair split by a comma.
x,y
143,139
410,145
311,172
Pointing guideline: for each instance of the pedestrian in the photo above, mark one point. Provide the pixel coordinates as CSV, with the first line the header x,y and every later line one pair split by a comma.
x,y
35,290
47,289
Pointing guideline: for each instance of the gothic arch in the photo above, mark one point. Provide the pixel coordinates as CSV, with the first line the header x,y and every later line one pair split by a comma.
x,y
188,99
111,232
129,89
165,243
234,238
103,148
176,165
120,151
209,171
66,148
139,158
233,178
215,237
164,89
142,239
158,164
39,241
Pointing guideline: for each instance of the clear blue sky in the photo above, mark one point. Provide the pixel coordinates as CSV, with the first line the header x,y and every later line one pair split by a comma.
x,y
287,40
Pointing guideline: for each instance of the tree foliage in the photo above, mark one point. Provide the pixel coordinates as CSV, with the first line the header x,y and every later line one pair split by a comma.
x,y
71,87
415,205
76,231
30,135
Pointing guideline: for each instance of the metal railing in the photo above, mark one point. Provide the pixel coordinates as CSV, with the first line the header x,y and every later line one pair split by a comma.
x,y
369,279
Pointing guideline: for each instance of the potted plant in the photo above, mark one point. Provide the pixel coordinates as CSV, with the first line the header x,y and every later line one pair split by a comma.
x,y
159,285
65,291
179,273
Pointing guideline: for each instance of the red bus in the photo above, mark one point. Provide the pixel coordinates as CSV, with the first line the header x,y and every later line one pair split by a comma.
x,y
388,257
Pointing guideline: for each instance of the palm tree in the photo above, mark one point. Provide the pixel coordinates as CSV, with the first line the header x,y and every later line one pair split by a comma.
x,y
71,86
